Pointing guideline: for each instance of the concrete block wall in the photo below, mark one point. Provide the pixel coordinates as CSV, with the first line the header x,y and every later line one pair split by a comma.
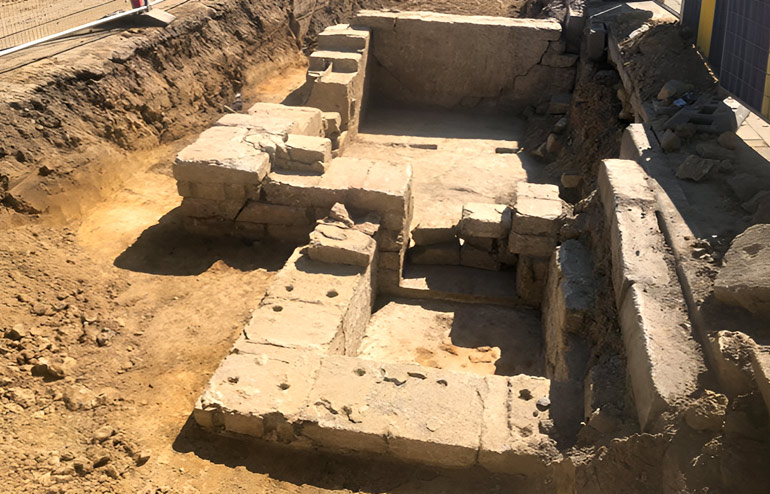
x,y
338,76
293,376
494,236
453,61
342,404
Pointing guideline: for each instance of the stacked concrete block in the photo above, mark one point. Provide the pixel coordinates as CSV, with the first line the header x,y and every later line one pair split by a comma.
x,y
483,228
363,186
537,217
259,219
665,362
216,175
435,238
337,74
321,300
303,153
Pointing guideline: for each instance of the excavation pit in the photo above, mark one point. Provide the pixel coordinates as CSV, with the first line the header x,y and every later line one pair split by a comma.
x,y
403,201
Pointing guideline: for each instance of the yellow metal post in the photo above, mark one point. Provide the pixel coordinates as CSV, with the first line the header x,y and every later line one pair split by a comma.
x,y
766,98
706,25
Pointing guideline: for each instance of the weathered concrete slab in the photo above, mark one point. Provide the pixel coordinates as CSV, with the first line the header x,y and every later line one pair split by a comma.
x,y
258,123
315,305
636,242
336,244
511,441
221,155
537,216
304,153
531,245
485,220
439,228
663,360
623,180
205,208
259,391
537,191
307,120
744,280
478,258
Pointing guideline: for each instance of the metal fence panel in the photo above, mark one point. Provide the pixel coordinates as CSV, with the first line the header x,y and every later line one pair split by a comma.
x,y
735,37
22,21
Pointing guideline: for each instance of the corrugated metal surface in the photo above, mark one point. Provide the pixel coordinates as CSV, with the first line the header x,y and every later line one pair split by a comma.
x,y
735,36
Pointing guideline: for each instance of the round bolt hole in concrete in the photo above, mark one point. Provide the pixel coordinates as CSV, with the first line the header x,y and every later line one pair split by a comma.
x,y
277,308
332,293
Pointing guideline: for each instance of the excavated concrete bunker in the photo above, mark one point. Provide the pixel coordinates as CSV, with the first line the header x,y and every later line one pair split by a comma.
x,y
429,312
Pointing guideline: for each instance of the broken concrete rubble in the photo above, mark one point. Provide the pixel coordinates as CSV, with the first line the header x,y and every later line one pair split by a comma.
x,y
745,278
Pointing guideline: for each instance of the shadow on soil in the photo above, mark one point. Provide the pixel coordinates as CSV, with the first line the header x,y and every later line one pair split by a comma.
x,y
337,472
167,249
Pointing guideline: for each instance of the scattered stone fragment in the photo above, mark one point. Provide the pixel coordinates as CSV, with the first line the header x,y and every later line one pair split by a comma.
x,y
560,126
340,213
552,144
543,403
714,151
674,89
335,245
695,168
685,130
559,103
141,458
16,333
708,412
670,142
744,280
102,434
104,338
57,368
744,186
728,140
22,397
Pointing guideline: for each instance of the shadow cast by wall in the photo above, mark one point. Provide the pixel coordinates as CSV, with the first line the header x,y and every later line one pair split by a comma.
x,y
167,249
335,472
